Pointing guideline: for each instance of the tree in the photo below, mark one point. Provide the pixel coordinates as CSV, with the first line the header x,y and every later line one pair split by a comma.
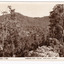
x,y
3,31
12,12
56,22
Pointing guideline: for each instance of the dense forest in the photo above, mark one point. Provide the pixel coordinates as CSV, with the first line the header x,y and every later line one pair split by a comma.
x,y
22,36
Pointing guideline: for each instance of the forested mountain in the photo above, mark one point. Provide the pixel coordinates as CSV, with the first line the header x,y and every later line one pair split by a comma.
x,y
22,33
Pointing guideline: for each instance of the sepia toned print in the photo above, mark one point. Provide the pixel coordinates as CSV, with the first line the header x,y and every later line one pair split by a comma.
x,y
31,32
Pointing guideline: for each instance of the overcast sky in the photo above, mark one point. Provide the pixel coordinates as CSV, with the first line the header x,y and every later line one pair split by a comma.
x,y
31,9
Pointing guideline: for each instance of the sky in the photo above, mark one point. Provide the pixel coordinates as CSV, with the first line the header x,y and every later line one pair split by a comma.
x,y
31,9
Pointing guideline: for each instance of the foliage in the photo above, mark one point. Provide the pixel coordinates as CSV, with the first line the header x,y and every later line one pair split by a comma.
x,y
16,41
56,28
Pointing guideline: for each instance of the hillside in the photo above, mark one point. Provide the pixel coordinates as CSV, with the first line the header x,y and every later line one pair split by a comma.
x,y
23,33
29,23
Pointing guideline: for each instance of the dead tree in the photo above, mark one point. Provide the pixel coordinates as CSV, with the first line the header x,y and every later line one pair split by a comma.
x,y
12,12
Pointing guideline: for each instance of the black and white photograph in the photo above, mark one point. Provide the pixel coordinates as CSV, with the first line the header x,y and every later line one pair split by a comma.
x,y
31,29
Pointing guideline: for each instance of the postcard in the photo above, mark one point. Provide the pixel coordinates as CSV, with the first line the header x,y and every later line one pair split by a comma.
x,y
32,31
